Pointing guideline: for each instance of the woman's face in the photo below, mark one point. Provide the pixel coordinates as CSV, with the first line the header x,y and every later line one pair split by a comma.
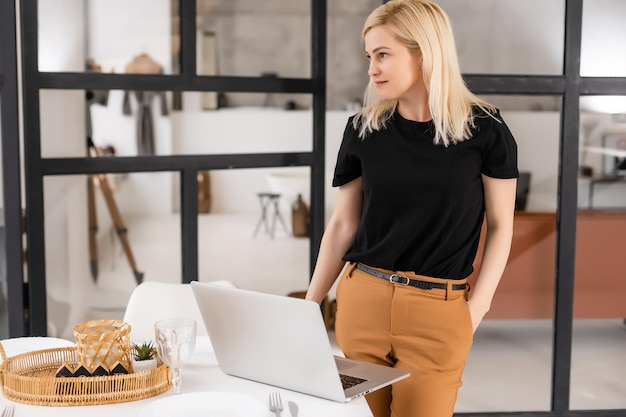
x,y
394,69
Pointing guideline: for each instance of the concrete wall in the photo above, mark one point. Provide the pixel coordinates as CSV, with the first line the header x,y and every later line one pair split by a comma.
x,y
273,36
256,37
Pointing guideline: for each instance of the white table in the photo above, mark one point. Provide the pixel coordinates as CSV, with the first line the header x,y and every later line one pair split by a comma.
x,y
202,377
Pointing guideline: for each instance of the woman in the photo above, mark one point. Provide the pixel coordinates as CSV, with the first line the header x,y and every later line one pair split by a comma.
x,y
419,168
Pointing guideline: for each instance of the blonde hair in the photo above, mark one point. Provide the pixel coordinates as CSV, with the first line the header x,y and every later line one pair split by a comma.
x,y
422,25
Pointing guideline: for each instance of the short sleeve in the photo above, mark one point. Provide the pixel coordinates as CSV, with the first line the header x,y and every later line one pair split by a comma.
x,y
500,157
348,165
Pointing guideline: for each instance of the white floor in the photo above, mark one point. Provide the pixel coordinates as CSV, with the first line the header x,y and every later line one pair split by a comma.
x,y
509,367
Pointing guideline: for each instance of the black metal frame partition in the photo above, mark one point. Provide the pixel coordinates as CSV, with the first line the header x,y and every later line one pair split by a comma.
x,y
9,123
570,86
188,166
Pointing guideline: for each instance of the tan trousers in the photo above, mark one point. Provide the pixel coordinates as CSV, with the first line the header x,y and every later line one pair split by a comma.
x,y
426,332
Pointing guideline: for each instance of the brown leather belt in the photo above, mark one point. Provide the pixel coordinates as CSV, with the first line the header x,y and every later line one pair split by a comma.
x,y
402,280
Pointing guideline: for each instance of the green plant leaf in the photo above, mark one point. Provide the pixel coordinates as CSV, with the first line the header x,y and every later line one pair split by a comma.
x,y
144,351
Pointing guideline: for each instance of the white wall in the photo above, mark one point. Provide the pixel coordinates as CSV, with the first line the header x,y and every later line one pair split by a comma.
x,y
537,135
274,36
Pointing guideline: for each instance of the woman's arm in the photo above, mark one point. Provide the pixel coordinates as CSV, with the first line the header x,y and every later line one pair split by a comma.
x,y
337,239
500,212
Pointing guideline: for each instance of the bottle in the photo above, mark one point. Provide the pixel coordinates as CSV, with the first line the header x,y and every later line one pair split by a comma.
x,y
204,193
300,218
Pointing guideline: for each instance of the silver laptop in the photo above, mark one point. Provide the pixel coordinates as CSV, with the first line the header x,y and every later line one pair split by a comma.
x,y
282,341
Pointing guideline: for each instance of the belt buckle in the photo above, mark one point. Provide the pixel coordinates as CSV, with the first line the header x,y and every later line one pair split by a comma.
x,y
397,279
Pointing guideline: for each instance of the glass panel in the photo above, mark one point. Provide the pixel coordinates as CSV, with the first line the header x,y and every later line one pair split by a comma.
x,y
598,334
263,101
196,132
534,130
512,353
1,168
602,52
346,67
242,130
492,37
4,317
63,123
110,118
137,40
242,123
99,244
115,118
251,38
504,37
249,211
533,103
603,153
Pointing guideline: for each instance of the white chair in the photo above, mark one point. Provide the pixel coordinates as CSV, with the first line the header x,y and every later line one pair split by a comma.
x,y
153,301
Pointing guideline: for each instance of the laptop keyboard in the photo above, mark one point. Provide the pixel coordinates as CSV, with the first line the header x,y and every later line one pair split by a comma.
x,y
349,381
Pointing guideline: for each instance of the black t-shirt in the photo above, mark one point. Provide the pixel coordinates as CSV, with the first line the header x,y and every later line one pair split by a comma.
x,y
423,205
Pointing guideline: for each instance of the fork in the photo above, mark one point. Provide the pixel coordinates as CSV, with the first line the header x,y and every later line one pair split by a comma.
x,y
276,404
8,411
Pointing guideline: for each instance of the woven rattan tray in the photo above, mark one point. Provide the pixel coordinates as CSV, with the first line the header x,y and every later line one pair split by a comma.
x,y
30,378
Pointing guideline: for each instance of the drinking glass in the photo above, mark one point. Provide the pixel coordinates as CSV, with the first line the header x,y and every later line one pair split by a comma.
x,y
176,341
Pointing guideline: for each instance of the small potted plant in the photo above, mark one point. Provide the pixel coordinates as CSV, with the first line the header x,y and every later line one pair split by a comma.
x,y
143,356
